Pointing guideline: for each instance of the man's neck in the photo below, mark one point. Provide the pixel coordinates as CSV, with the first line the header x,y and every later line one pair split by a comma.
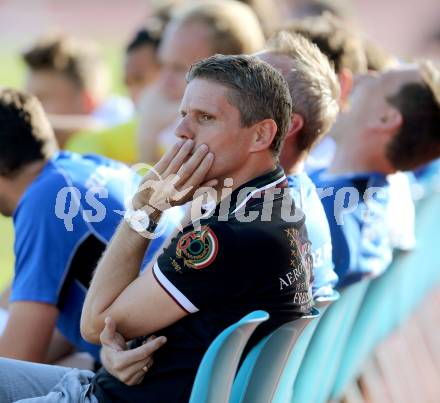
x,y
297,167
292,160
20,182
251,171
353,158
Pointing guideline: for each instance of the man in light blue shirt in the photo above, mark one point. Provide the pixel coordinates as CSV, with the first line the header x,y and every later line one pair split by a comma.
x,y
314,90
391,126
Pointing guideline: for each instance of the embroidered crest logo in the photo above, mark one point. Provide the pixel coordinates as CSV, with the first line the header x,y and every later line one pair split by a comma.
x,y
198,249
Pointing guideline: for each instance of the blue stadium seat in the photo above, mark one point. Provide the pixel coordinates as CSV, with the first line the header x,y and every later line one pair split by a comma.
x,y
284,392
260,373
392,297
219,364
317,372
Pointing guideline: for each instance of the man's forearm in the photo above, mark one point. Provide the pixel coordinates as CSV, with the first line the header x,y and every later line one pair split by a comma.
x,y
118,267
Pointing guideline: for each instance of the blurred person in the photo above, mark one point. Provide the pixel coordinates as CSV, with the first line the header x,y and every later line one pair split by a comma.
x,y
314,89
196,30
141,67
377,58
314,8
65,209
344,48
69,77
235,112
268,13
392,125
117,143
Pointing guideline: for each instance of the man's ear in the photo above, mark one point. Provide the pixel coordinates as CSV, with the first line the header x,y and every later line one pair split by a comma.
x,y
296,124
264,133
345,77
388,122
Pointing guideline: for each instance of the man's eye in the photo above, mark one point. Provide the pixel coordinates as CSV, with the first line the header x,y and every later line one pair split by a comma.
x,y
182,114
206,118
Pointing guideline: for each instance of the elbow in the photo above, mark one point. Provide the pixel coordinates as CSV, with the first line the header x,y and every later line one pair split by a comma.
x,y
91,328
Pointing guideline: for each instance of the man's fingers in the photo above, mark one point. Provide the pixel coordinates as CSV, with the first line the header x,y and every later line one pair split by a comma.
x,y
200,173
136,379
179,159
108,335
166,159
143,352
138,372
180,195
187,169
130,374
209,184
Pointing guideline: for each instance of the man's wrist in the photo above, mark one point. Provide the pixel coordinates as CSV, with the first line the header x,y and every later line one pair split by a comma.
x,y
138,204
144,221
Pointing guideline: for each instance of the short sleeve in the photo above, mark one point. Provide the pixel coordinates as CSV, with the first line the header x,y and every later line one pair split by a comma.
x,y
199,268
44,245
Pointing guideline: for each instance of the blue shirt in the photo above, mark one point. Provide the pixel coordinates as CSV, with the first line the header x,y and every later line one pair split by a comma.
x,y
426,180
306,198
356,207
63,223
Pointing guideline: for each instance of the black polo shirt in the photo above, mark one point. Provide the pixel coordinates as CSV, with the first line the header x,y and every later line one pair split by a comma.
x,y
251,253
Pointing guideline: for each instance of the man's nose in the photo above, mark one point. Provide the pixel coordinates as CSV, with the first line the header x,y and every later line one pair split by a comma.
x,y
183,129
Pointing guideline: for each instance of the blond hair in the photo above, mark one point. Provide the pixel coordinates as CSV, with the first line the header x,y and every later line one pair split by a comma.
x,y
234,27
313,85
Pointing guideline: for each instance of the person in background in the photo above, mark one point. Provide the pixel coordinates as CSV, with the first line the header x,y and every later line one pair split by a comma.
x,y
196,30
344,48
65,209
393,124
69,77
141,64
314,89
141,69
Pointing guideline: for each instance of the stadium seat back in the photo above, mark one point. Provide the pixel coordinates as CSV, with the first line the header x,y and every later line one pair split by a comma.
x,y
391,298
217,369
317,371
262,369
284,392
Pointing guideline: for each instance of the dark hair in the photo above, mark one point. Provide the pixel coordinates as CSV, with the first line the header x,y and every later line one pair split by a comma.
x,y
257,90
25,133
143,38
418,140
335,39
150,34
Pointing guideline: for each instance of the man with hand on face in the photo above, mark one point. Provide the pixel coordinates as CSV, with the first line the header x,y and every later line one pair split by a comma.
x,y
235,113
314,90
